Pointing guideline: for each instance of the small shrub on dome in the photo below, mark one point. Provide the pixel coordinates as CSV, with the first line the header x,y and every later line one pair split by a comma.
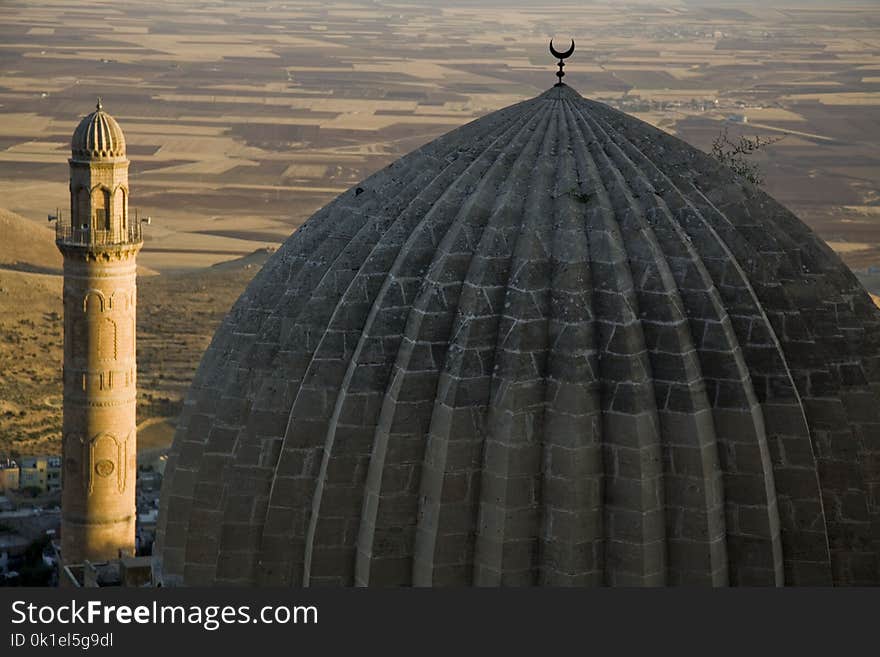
x,y
734,154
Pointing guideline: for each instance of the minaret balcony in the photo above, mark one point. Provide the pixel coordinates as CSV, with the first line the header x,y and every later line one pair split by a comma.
x,y
68,235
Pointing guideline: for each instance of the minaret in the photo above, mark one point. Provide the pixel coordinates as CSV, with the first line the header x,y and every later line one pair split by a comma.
x,y
100,243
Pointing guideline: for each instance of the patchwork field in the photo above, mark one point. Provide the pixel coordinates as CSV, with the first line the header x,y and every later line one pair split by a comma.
x,y
242,118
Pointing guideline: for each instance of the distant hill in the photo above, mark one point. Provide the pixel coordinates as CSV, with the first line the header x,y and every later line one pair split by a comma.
x,y
26,245
30,359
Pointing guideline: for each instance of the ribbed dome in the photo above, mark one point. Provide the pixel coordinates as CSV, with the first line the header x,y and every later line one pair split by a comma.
x,y
555,346
98,136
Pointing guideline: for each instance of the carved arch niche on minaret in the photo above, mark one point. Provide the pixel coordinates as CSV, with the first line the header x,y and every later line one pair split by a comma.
x,y
107,342
101,206
106,461
120,207
94,301
120,301
83,208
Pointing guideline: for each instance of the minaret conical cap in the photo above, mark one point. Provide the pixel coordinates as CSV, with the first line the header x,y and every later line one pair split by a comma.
x,y
98,137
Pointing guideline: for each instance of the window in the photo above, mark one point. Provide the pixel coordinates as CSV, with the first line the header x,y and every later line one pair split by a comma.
x,y
119,206
101,205
83,205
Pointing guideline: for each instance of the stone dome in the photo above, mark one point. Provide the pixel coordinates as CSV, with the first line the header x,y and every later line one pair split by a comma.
x,y
98,136
555,346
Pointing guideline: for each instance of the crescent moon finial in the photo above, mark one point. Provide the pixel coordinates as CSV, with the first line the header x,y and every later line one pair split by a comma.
x,y
562,56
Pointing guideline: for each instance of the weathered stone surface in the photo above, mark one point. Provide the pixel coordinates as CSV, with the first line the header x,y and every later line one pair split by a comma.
x,y
555,346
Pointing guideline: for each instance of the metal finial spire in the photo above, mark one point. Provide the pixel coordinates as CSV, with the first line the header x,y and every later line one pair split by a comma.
x,y
562,57
99,106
